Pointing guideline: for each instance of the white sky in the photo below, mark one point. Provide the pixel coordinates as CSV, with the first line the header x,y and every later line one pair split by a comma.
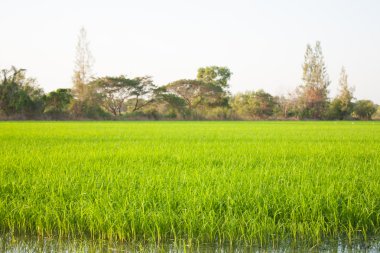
x,y
261,41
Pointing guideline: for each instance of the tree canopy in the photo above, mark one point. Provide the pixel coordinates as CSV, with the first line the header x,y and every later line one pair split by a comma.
x,y
213,74
313,93
19,95
207,96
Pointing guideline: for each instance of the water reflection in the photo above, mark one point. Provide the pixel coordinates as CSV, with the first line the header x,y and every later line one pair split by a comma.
x,y
21,244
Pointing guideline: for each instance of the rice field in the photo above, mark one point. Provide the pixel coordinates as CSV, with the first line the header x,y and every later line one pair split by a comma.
x,y
253,183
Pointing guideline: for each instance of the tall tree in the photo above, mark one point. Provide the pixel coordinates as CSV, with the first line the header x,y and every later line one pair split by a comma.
x,y
83,66
86,101
313,93
341,106
345,95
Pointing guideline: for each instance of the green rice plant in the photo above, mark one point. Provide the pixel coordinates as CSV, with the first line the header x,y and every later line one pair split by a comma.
x,y
256,183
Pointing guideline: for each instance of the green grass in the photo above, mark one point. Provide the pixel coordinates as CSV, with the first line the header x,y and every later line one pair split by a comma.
x,y
258,183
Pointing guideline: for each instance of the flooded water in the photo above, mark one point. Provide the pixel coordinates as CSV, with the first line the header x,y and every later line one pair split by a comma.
x,y
33,244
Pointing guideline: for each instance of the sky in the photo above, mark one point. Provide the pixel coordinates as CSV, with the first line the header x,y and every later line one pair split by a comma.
x,y
262,41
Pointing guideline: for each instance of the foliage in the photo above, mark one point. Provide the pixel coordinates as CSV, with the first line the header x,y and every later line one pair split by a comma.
x,y
86,103
204,98
144,90
313,93
216,75
116,91
364,109
335,110
376,115
19,95
345,95
197,94
253,105
341,107
89,107
285,107
170,104
57,102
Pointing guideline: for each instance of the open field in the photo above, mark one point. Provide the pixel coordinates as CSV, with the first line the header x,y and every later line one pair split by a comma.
x,y
258,183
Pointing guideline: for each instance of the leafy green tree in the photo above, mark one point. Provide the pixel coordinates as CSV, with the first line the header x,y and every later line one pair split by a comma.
x,y
209,90
364,109
170,104
335,110
33,94
312,94
57,103
19,95
213,74
118,94
143,92
253,105
197,94
114,91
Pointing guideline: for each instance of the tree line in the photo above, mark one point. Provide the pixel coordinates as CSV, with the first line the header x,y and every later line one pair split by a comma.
x,y
206,97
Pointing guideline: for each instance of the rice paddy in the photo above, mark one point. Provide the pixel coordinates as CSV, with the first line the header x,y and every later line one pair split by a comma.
x,y
251,183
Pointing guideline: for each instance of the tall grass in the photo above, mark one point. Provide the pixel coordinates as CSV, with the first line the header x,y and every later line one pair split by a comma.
x,y
258,183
